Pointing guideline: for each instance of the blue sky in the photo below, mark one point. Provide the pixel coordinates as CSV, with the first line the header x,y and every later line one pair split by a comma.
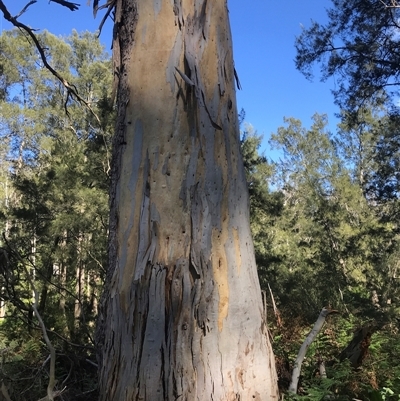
x,y
263,31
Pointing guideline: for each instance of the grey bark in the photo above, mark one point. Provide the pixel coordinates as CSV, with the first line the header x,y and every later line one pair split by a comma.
x,y
181,316
304,347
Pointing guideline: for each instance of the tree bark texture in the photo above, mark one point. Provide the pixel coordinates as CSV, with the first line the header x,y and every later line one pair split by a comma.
x,y
357,350
181,317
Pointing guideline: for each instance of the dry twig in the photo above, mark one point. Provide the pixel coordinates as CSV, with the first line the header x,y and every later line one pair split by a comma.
x,y
392,4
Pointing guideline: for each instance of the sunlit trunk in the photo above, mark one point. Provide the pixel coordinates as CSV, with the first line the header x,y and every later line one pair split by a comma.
x,y
181,316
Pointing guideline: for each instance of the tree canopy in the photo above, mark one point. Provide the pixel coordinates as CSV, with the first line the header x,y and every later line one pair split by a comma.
x,y
359,47
54,183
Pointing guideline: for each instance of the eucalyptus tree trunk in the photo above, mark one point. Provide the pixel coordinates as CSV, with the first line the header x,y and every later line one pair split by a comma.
x,y
181,317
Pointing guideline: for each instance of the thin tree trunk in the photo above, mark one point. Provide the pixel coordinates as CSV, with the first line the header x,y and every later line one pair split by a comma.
x,y
303,349
68,328
62,275
357,350
79,286
181,316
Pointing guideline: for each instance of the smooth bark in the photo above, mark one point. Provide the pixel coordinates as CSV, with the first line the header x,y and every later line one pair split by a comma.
x,y
303,349
181,317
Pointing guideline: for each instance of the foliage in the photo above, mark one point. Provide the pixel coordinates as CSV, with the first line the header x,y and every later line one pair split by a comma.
x,y
265,205
324,216
359,46
54,171
331,244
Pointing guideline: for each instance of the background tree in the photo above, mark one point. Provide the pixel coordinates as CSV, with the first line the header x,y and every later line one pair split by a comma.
x,y
55,168
265,204
330,229
359,46
331,244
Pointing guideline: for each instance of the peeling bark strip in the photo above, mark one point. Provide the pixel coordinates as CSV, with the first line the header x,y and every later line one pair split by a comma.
x,y
181,316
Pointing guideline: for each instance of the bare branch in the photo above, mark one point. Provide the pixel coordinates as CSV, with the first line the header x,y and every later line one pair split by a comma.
x,y
25,8
51,394
307,342
52,380
110,4
68,4
4,391
97,8
393,4
276,311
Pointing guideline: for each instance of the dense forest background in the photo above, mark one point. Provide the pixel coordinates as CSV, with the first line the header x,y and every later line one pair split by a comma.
x,y
324,216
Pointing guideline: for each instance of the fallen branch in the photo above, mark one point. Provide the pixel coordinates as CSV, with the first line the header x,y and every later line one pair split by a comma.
x,y
303,349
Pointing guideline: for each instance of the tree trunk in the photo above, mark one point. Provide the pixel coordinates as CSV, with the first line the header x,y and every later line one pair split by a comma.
x,y
79,286
181,315
304,347
357,350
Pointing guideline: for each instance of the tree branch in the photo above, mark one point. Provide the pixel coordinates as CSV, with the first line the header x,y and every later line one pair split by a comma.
x,y
25,8
52,380
4,392
110,4
68,4
393,4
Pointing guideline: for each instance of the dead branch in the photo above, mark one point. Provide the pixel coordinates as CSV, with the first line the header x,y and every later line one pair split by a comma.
x,y
303,349
392,4
68,4
4,392
25,8
110,4
52,380
276,311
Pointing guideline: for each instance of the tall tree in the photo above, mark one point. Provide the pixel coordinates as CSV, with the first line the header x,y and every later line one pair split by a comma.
x,y
182,315
55,167
265,204
331,244
359,45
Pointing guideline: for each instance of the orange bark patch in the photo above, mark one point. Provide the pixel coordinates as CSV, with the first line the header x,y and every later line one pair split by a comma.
x,y
220,270
236,245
